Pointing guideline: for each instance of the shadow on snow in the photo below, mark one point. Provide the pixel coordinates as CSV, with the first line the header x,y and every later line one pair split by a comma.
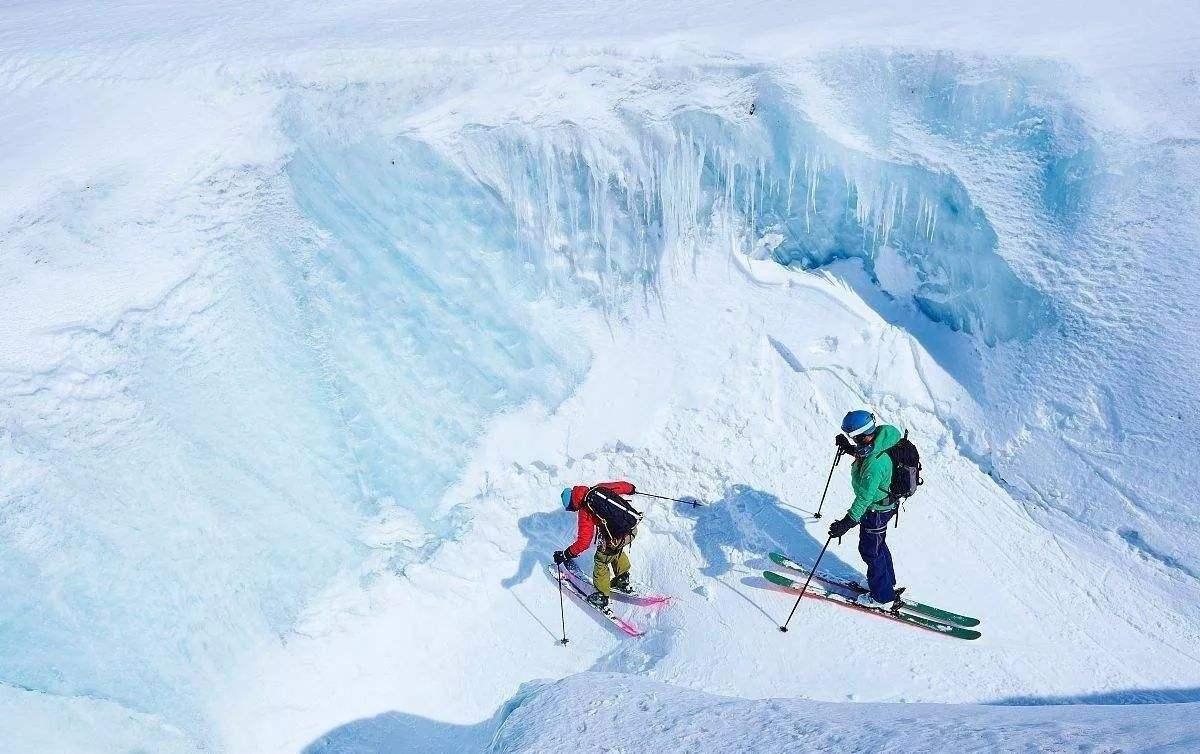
x,y
394,732
751,521
1119,697
544,532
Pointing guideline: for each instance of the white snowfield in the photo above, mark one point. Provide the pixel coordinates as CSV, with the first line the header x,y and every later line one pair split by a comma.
x,y
309,311
595,712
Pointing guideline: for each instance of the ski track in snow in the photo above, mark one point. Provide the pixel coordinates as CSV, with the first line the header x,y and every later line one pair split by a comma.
x,y
310,313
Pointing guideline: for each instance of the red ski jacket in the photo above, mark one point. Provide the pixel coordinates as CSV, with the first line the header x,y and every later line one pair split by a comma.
x,y
587,522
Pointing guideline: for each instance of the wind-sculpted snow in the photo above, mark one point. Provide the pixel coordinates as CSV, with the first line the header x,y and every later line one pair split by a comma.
x,y
959,196
256,344
659,717
184,480
998,108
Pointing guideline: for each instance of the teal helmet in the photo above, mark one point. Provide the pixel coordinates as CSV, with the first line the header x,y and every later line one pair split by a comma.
x,y
566,498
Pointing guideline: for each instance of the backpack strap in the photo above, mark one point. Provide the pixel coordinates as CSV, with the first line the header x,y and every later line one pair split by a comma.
x,y
608,532
599,519
624,503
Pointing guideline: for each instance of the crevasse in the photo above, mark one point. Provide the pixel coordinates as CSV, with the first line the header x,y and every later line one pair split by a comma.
x,y
402,291
608,213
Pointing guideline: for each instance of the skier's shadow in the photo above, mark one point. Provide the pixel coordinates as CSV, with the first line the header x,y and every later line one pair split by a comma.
x,y
751,521
544,533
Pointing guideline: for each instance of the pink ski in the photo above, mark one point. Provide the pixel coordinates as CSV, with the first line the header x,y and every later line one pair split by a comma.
x,y
641,600
576,589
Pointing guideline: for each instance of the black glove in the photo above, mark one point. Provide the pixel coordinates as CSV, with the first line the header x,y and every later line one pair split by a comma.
x,y
561,557
632,489
844,444
839,528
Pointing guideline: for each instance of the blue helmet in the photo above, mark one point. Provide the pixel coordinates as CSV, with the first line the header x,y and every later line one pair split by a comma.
x,y
858,423
566,498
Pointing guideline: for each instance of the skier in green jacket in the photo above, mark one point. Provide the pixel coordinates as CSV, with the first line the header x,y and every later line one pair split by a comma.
x,y
873,506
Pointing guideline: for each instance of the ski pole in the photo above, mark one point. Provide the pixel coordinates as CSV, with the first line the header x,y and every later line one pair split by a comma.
x,y
837,457
693,503
562,613
783,628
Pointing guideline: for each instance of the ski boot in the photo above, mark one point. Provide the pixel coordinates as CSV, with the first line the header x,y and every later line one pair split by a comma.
x,y
598,601
622,585
866,600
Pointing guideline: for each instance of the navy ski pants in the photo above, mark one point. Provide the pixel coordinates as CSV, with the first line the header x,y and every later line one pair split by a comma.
x,y
872,546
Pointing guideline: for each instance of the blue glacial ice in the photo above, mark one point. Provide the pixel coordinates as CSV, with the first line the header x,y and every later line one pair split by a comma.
x,y
390,295
769,173
424,309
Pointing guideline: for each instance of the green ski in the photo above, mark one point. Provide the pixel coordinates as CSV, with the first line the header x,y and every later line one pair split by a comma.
x,y
828,593
945,616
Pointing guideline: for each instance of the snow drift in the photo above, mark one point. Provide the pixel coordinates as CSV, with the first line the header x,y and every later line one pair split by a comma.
x,y
258,335
590,711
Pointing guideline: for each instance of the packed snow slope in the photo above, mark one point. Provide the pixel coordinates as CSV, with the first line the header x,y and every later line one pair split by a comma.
x,y
311,310
588,712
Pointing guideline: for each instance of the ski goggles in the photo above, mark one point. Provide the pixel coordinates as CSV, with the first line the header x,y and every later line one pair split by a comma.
x,y
862,446
862,442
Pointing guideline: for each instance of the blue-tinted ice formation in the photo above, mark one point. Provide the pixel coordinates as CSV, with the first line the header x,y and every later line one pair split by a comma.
x,y
764,171
396,293
421,302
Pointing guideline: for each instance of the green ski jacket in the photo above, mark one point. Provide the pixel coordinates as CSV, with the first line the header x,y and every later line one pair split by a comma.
x,y
871,476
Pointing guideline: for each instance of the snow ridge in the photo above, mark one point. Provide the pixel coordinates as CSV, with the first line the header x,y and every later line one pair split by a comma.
x,y
270,280
592,712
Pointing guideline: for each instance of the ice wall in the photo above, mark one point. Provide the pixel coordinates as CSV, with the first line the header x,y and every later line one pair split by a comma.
x,y
184,478
992,208
185,474
424,309
751,171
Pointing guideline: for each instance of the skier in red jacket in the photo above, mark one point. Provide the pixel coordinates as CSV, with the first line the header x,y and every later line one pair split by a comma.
x,y
603,512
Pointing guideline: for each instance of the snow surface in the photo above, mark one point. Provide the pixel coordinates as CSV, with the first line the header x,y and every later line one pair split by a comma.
x,y
311,310
595,711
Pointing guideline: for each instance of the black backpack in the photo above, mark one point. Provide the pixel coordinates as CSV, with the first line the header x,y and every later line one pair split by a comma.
x,y
616,515
906,469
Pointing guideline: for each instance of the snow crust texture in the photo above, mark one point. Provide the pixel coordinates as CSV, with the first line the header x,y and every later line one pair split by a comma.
x,y
599,712
305,327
